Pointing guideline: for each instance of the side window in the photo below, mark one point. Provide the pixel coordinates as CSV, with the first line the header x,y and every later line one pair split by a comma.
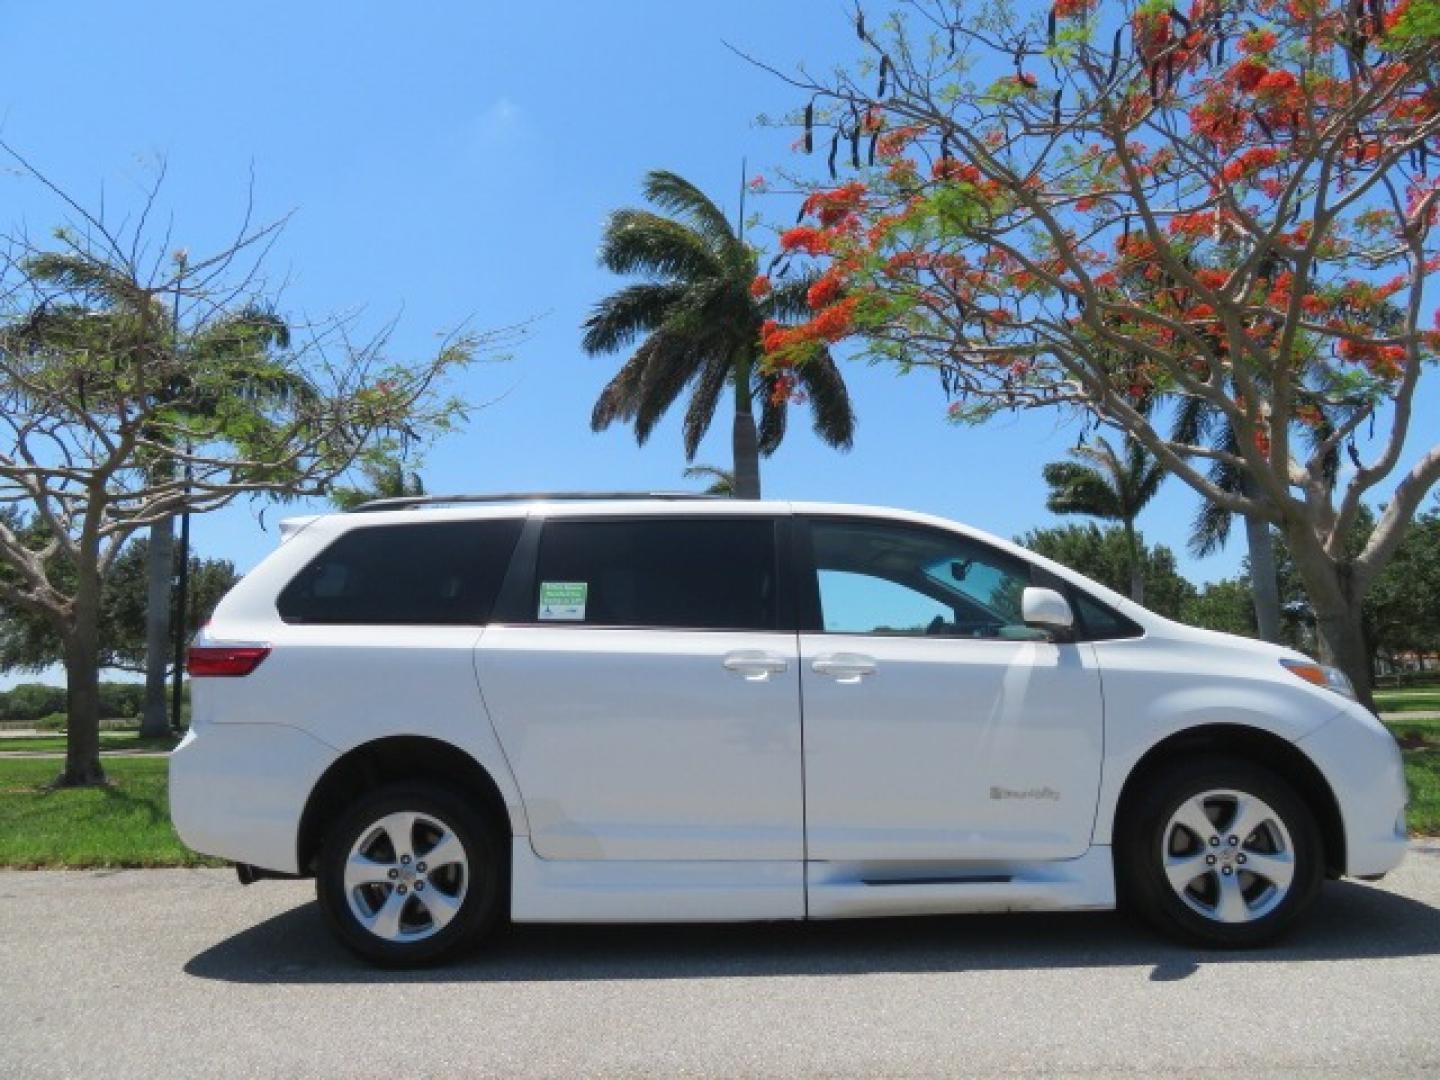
x,y
878,578
699,574
441,573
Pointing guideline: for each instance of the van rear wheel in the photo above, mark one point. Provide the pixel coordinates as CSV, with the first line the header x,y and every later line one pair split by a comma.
x,y
1220,852
410,875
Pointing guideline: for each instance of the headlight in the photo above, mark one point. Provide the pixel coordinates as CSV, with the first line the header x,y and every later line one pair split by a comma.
x,y
1321,675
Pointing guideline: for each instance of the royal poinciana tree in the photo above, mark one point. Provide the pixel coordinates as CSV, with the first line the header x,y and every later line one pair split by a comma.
x,y
1118,208
107,432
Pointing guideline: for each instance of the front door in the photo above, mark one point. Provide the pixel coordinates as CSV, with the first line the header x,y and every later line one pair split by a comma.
x,y
937,725
648,701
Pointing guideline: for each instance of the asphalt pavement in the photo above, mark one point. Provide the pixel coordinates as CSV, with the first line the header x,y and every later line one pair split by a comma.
x,y
185,973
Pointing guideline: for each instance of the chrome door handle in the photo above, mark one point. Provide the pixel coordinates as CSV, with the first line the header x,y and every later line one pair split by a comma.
x,y
844,667
755,666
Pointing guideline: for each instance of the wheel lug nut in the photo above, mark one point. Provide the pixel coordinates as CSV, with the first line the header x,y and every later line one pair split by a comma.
x,y
1214,841
1234,840
1240,858
420,868
394,874
402,890
419,886
405,860
1227,871
1209,860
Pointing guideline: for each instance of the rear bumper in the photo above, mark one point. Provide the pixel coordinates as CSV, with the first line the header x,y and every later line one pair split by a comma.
x,y
1362,762
237,791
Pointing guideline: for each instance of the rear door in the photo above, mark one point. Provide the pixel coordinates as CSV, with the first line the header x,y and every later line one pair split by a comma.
x,y
937,725
646,690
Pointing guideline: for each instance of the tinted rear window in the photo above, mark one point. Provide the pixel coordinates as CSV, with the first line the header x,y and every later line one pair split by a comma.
x,y
445,573
709,574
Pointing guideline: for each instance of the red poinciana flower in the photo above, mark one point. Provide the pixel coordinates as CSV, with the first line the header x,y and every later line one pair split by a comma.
x,y
824,291
805,238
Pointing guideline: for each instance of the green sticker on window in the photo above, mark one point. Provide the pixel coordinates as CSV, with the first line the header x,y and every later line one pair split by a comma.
x,y
563,601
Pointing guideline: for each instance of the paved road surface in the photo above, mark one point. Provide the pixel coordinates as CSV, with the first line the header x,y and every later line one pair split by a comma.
x,y
184,973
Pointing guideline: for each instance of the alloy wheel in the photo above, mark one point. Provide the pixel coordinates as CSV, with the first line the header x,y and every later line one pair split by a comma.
x,y
1228,856
406,877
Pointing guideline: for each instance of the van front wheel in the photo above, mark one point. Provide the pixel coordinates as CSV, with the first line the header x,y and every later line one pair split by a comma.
x,y
1221,852
410,875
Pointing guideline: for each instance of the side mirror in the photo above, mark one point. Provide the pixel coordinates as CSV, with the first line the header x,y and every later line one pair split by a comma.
x,y
1046,609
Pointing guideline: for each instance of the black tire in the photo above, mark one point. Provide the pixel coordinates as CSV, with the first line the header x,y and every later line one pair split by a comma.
x,y
418,941
1147,835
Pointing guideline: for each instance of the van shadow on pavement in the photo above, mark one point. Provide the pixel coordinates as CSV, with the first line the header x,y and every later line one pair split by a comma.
x,y
1350,921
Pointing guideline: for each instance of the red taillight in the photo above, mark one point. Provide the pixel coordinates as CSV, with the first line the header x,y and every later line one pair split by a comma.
x,y
224,661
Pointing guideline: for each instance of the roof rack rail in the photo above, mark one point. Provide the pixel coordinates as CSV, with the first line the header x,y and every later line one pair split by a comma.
x,y
411,502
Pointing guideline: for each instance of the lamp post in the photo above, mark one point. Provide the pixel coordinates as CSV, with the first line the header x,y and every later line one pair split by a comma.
x,y
181,623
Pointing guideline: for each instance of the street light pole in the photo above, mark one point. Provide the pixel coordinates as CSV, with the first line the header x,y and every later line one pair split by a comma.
x,y
181,624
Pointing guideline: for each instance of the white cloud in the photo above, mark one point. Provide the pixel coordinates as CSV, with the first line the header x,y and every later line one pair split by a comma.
x,y
501,124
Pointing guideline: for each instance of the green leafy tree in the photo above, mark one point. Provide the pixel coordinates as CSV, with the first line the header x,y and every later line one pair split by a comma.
x,y
385,477
1109,555
1110,486
1078,206
1224,606
29,642
240,340
698,317
1403,606
106,434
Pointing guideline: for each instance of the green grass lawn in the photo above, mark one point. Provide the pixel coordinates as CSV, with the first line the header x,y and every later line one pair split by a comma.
x,y
1420,744
128,822
109,740
124,824
1424,700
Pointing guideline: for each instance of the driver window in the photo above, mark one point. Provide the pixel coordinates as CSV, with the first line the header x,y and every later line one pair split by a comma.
x,y
878,578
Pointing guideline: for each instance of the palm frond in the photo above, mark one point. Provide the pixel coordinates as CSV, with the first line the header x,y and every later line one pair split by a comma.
x,y
1210,530
830,407
94,279
704,399
672,192
641,242
788,301
675,360
1143,476
1080,489
722,481
774,417
624,315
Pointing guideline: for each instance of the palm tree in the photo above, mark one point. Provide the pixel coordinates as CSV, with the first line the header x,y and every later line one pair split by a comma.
x,y
722,481
138,323
699,324
385,479
1210,530
1113,487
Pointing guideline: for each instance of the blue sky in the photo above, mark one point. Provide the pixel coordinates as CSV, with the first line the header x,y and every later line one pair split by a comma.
x,y
454,161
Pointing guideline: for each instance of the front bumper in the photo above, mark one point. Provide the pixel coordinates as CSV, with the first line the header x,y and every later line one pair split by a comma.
x,y
1362,762
237,791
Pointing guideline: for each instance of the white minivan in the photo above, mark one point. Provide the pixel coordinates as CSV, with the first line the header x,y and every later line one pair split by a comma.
x,y
634,709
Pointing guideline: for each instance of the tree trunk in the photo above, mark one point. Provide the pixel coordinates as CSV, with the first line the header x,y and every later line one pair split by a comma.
x,y
1342,645
745,441
161,572
82,681
1339,613
1264,585
1137,571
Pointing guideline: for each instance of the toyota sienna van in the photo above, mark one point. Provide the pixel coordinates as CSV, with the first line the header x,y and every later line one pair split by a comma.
x,y
660,709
